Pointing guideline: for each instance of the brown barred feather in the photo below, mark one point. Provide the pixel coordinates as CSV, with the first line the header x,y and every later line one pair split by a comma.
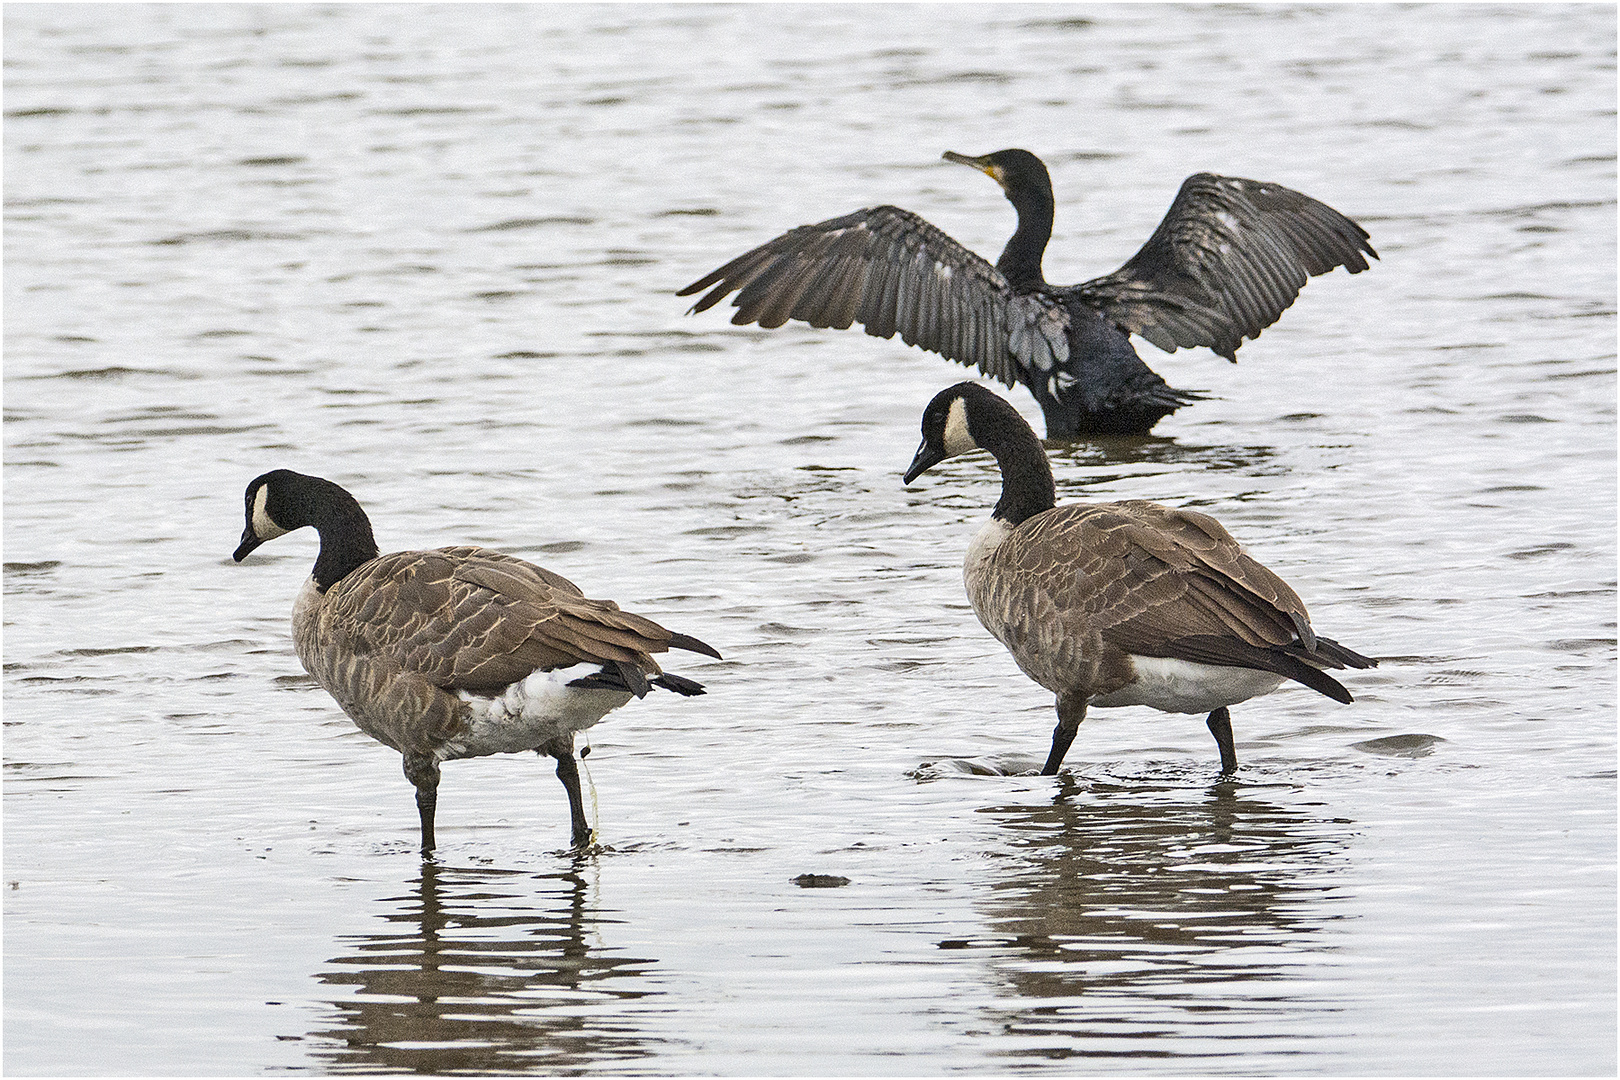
x,y
396,638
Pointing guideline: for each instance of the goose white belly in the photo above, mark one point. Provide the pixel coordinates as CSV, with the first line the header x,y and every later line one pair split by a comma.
x,y
990,536
1181,686
531,713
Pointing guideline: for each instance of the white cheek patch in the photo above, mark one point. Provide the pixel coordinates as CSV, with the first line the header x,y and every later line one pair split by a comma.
x,y
263,527
957,439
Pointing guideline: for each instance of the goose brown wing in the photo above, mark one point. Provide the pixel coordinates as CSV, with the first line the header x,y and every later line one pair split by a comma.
x,y
893,272
470,619
1229,257
1143,576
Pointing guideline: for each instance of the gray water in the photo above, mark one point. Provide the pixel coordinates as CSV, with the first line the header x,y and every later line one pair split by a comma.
x,y
430,252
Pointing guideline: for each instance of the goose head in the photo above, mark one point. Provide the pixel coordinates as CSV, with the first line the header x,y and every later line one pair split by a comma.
x,y
272,509
281,500
947,429
968,417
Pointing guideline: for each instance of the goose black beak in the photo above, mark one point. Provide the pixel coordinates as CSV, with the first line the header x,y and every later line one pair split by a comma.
x,y
249,542
927,457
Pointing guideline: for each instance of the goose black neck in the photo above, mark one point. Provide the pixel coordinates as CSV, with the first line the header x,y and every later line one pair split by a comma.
x,y
1020,261
346,539
342,550
1027,487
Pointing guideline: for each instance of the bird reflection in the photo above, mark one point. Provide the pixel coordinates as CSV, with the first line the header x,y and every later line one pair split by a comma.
x,y
1160,450
1080,466
482,971
1144,923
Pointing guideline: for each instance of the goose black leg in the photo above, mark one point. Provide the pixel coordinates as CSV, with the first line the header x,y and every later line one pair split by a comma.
x,y
1220,726
1070,714
568,773
422,771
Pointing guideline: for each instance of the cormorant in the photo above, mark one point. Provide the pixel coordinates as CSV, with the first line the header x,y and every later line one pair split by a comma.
x,y
1228,258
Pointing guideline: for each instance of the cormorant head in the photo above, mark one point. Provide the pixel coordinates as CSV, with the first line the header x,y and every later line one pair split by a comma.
x,y
1014,170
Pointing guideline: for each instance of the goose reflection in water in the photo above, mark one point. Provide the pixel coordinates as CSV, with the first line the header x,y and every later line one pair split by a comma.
x,y
1147,923
484,971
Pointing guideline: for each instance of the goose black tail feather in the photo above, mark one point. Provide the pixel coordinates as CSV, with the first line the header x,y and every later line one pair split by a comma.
x,y
684,687
1315,678
614,678
620,676
1329,653
633,678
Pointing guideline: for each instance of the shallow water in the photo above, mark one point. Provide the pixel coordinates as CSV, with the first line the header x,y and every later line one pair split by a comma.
x,y
430,253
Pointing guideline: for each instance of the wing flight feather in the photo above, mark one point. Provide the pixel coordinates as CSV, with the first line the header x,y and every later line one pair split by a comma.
x,y
1140,575
1229,257
893,272
467,618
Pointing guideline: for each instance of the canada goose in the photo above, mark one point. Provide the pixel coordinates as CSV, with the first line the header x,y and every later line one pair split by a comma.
x,y
1126,603
1228,258
458,652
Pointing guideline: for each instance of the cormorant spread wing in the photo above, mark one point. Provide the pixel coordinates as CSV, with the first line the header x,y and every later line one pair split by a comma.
x,y
1229,257
893,272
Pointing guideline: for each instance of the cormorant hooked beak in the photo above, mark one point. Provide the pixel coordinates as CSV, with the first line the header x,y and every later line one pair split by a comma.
x,y
983,164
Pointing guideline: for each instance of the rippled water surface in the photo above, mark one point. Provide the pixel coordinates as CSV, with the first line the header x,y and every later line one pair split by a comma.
x,y
431,252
